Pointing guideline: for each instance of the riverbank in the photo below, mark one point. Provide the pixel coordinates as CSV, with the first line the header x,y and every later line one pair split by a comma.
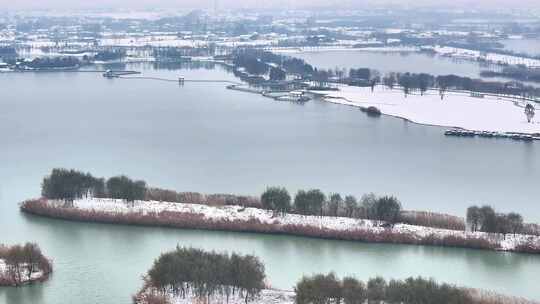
x,y
455,110
242,219
274,296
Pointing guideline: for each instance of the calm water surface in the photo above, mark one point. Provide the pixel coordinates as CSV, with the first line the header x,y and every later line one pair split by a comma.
x,y
527,46
201,137
394,62
402,63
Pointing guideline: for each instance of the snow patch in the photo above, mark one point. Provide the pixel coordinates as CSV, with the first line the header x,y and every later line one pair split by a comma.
x,y
267,296
237,213
494,114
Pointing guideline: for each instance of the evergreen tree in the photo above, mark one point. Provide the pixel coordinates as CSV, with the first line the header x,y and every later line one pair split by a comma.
x,y
277,199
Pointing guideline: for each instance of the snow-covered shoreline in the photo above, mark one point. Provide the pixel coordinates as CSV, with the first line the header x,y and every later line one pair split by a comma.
x,y
237,218
445,51
275,296
267,296
6,280
456,110
494,58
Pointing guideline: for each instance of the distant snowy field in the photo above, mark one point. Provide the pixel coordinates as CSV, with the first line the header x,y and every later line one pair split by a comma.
x,y
488,57
238,213
455,110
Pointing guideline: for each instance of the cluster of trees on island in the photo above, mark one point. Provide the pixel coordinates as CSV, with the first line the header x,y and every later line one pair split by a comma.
x,y
187,272
370,206
22,261
328,289
485,219
259,62
209,276
314,202
107,55
70,185
179,54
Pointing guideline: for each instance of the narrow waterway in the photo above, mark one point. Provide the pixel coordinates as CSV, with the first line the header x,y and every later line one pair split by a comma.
x,y
386,62
202,137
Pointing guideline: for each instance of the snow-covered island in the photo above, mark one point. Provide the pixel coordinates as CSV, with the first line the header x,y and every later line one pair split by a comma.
x,y
243,219
20,265
455,110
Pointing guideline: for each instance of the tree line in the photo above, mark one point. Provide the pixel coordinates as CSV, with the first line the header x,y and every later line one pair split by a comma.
x,y
259,62
315,202
44,63
22,261
108,55
68,185
194,272
328,289
518,72
485,219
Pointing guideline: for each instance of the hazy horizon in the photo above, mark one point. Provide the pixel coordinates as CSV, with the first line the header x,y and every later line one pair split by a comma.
x,y
253,4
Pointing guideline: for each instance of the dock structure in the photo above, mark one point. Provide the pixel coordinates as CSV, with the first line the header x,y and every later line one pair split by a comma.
x,y
487,134
116,74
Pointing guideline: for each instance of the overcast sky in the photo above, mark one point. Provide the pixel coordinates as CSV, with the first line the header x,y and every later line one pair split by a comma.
x,y
141,4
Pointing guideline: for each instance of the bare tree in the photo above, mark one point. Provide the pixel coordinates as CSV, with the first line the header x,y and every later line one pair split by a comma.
x,y
529,112
516,222
474,218
442,91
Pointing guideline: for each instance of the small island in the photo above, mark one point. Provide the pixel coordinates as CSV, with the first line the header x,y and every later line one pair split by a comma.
x,y
23,264
78,196
188,275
